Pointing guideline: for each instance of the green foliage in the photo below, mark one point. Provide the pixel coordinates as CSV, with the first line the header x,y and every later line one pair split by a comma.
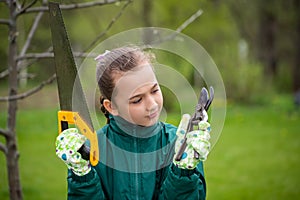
x,y
219,30
246,83
170,100
256,156
283,78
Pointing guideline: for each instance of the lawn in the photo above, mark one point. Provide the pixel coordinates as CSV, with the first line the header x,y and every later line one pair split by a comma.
x,y
256,156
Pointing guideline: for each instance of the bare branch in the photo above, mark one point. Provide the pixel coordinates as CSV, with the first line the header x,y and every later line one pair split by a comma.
x,y
48,54
4,132
190,20
73,6
6,72
23,3
36,56
31,33
23,66
108,26
27,7
185,24
84,55
3,148
29,92
5,22
51,55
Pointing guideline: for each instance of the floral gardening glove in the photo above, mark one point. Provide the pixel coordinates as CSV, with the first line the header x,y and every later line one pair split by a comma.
x,y
197,140
67,144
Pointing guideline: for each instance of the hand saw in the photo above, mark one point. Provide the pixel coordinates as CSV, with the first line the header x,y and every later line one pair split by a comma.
x,y
67,80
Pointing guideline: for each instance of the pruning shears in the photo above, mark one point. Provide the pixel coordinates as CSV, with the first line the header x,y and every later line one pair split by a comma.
x,y
203,104
67,81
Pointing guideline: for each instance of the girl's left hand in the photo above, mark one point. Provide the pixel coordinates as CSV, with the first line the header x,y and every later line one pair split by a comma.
x,y
197,140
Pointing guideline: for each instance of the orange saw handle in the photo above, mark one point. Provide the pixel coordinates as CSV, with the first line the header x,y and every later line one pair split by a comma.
x,y
69,117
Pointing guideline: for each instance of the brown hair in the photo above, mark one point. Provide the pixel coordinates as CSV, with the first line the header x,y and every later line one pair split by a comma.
x,y
116,61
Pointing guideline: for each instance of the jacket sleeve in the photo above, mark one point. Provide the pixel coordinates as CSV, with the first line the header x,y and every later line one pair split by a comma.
x,y
184,184
87,187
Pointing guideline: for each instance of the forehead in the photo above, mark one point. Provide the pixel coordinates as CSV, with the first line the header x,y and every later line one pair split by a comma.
x,y
134,80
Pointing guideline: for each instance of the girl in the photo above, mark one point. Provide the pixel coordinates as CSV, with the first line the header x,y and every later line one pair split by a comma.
x,y
136,150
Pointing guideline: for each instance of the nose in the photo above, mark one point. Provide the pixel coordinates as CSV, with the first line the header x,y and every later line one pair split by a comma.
x,y
151,104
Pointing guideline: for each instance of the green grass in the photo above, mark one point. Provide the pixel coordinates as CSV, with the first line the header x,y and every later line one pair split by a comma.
x,y
42,174
256,156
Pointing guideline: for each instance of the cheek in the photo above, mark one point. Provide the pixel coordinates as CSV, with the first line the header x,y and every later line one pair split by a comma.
x,y
123,108
135,110
159,99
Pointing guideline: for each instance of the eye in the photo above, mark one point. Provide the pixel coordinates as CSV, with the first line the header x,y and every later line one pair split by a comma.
x,y
155,91
136,101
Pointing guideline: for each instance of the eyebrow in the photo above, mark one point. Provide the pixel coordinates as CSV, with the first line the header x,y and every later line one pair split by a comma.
x,y
138,95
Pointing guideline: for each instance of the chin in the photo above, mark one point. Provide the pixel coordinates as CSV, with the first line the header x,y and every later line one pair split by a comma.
x,y
147,121
151,122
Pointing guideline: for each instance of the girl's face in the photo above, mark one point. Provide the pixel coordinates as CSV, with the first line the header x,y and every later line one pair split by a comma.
x,y
137,97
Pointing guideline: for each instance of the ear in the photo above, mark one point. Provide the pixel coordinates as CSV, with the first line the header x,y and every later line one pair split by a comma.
x,y
108,105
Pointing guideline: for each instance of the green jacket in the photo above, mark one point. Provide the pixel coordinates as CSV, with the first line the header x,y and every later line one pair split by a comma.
x,y
136,163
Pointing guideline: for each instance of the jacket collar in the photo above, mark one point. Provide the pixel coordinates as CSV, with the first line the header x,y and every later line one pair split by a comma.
x,y
123,127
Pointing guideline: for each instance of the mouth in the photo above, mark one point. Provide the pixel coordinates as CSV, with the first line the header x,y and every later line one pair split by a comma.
x,y
153,115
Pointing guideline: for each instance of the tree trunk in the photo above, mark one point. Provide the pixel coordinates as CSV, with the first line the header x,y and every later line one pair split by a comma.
x,y
296,67
12,155
266,40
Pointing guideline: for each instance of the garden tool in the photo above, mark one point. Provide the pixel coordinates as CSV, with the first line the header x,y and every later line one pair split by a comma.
x,y
203,104
67,81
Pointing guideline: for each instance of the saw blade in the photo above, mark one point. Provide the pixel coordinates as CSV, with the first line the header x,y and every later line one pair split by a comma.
x,y
66,70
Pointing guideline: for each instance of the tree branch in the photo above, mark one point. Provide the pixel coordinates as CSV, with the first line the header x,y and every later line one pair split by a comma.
x,y
24,56
29,92
27,7
31,33
36,56
20,67
51,55
4,132
22,64
190,20
72,6
185,24
5,22
3,148
6,72
83,55
108,26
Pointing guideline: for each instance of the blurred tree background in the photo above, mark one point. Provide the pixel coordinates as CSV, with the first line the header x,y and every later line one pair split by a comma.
x,y
255,45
